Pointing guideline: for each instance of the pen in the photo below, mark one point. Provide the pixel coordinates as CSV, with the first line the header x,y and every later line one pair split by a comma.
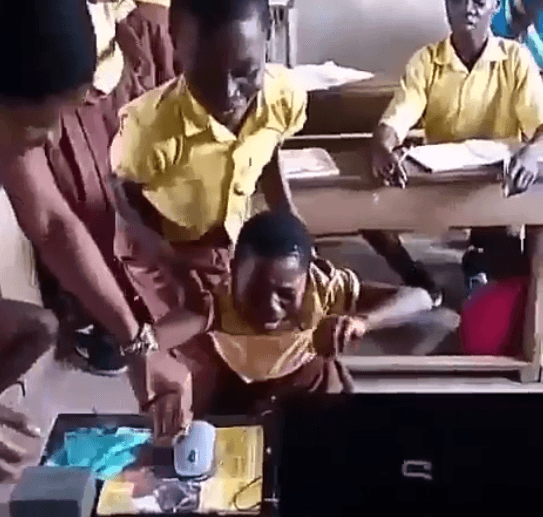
x,y
401,170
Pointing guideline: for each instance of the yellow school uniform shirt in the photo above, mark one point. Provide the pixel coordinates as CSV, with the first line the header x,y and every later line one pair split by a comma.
x,y
501,98
258,357
193,170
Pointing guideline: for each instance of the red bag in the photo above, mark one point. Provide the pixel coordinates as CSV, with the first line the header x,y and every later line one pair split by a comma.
x,y
492,319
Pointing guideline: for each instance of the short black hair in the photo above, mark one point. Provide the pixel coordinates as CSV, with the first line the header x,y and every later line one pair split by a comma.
x,y
48,48
274,234
213,14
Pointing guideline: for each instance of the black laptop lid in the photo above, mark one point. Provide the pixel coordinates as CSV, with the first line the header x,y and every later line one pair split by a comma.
x,y
432,453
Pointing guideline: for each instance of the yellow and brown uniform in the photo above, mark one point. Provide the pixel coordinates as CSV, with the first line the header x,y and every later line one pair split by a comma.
x,y
196,174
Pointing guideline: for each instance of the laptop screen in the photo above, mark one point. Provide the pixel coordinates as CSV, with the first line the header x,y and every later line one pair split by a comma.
x,y
432,453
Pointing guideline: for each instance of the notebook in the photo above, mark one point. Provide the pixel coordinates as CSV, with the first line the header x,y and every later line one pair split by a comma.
x,y
471,154
307,163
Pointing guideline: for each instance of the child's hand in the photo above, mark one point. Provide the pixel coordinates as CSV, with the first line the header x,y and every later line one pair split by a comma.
x,y
522,171
334,334
169,392
388,166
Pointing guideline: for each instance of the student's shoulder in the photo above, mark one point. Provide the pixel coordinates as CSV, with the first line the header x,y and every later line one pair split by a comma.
x,y
149,127
332,283
518,56
155,107
428,54
279,81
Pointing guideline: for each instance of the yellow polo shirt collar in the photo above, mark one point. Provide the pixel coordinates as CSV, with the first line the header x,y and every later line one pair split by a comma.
x,y
196,119
261,357
446,55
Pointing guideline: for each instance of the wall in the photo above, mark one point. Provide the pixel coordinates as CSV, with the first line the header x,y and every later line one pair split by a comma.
x,y
373,35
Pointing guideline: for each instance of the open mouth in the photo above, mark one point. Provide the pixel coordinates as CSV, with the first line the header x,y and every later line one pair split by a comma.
x,y
272,325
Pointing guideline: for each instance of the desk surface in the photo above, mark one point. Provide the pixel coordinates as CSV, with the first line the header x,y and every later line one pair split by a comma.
x,y
355,200
350,108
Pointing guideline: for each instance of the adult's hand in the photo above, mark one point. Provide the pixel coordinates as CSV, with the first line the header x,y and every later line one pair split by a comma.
x,y
11,455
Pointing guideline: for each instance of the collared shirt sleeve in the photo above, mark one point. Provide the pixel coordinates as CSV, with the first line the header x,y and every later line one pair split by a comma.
x,y
409,102
295,106
339,288
529,93
133,156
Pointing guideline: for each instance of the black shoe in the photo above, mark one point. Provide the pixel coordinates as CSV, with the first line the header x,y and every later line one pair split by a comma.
x,y
100,355
418,276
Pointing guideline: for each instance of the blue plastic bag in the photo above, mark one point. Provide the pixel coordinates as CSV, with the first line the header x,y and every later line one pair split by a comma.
x,y
106,452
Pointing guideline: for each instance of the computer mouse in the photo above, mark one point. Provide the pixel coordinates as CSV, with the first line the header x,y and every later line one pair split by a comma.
x,y
194,454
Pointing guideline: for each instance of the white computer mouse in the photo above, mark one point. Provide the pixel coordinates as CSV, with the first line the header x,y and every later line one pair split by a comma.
x,y
194,454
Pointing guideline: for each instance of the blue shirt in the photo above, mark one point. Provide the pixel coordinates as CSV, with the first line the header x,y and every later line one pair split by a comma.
x,y
533,39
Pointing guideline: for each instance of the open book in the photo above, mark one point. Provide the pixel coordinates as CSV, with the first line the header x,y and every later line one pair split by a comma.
x,y
307,163
326,76
471,154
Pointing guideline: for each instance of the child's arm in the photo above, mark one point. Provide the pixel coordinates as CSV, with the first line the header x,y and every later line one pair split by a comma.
x,y
153,245
528,103
523,169
131,221
275,186
355,308
404,111
64,243
380,306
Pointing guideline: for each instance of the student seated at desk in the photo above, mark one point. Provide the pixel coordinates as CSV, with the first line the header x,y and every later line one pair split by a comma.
x,y
470,85
193,150
278,326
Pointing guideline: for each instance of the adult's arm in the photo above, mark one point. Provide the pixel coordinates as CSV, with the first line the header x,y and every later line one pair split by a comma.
x,y
64,243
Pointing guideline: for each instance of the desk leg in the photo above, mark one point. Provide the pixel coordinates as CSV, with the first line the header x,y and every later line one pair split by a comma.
x,y
533,323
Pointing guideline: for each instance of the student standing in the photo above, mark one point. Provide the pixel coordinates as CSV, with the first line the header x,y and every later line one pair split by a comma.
x,y
188,155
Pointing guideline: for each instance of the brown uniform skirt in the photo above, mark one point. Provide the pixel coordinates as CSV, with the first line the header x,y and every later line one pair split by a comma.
x,y
218,390
80,162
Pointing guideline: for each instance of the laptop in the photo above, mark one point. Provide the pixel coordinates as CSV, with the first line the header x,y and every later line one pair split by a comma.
x,y
426,454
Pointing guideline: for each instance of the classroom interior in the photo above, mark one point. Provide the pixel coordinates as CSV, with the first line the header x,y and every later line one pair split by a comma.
x,y
340,120
424,355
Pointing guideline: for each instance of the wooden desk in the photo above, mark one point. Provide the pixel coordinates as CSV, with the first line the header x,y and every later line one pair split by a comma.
x,y
351,108
354,201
